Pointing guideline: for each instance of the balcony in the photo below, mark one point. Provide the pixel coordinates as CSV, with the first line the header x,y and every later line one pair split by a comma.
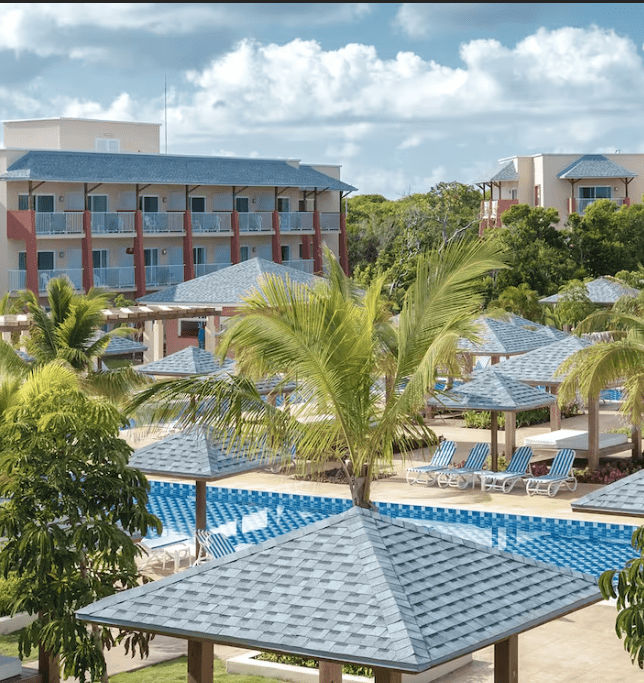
x,y
210,222
162,276
330,222
579,205
59,223
112,223
163,222
207,268
114,278
305,265
256,222
296,221
74,275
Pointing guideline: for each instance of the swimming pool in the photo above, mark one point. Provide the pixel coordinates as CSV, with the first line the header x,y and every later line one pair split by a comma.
x,y
255,516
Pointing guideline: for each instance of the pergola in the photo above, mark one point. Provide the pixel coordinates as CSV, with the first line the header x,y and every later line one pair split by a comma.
x,y
491,390
196,455
355,588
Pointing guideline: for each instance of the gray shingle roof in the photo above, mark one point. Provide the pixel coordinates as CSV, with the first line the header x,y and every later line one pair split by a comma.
x,y
595,166
501,338
492,390
189,361
193,454
508,172
624,497
228,285
539,366
518,321
120,345
603,291
356,587
162,169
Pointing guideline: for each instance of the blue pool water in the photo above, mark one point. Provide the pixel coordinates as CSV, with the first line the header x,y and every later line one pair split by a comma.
x,y
256,516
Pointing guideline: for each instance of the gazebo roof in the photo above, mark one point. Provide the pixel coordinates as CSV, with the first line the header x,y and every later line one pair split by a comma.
x,y
503,339
120,345
492,390
538,367
508,172
595,166
193,454
518,321
602,291
357,587
622,497
189,361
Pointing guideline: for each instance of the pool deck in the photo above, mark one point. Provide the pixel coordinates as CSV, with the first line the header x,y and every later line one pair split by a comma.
x,y
579,647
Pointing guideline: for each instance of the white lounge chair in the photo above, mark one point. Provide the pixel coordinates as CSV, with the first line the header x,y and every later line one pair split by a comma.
x,y
462,477
516,471
560,473
171,548
212,545
440,460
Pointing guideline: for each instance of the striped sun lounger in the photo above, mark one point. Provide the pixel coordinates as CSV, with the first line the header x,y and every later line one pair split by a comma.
x,y
516,471
560,473
426,474
462,477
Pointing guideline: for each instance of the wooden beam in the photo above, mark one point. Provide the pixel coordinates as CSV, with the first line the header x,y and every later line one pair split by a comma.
x,y
506,660
510,434
330,672
200,510
593,432
555,412
386,675
200,661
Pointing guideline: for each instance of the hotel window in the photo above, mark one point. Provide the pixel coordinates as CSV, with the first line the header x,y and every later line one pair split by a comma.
x,y
198,204
110,145
97,203
23,202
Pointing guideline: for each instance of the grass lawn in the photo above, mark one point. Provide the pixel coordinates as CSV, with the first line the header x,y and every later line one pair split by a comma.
x,y
9,646
176,671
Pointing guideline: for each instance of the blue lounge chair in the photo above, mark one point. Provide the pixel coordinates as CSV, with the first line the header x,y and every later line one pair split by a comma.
x,y
440,460
505,481
462,477
560,473
212,545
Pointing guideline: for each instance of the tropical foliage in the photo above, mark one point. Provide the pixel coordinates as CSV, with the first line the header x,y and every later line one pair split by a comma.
x,y
340,346
72,507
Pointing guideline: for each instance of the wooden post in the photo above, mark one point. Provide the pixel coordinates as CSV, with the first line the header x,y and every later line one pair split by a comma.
x,y
200,510
494,441
200,661
48,666
593,432
386,675
148,356
510,434
506,660
555,412
330,672
158,334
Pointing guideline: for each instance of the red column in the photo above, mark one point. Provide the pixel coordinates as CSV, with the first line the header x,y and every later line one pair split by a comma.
x,y
139,258
21,225
306,247
277,238
317,244
342,247
86,251
234,240
188,259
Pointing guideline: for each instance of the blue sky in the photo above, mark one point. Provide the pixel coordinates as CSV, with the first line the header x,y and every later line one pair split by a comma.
x,y
401,95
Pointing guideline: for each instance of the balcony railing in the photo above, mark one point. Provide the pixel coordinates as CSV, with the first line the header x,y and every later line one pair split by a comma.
x,y
580,205
330,221
211,222
112,223
161,276
59,223
256,222
17,280
207,268
114,278
305,265
163,222
74,275
296,221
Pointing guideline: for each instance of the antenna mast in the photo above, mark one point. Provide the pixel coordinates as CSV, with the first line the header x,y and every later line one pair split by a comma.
x,y
165,109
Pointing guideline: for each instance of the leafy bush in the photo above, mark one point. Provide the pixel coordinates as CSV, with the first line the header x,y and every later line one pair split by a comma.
x,y
607,473
8,587
292,660
481,419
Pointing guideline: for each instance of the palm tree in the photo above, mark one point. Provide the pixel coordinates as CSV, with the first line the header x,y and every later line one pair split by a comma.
x,y
68,333
338,344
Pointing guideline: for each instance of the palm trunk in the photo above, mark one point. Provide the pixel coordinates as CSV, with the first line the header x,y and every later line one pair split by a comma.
x,y
361,488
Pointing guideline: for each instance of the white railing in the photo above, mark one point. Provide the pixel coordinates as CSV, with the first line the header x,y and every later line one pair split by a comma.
x,y
112,223
582,204
161,276
330,221
59,223
114,278
74,275
17,280
305,265
210,222
207,268
255,222
296,221
488,209
163,222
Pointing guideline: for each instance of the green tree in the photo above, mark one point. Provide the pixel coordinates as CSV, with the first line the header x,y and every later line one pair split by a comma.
x,y
520,300
338,344
573,304
72,506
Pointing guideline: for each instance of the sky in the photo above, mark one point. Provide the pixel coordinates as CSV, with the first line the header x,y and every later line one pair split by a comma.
x,y
402,96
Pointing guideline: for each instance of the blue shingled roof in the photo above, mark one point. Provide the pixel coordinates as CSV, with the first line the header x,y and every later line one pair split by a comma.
x,y
508,172
595,166
622,497
161,169
603,291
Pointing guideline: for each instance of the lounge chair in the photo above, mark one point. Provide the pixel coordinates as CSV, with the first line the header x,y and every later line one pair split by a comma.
x,y
560,473
505,481
440,460
171,548
212,545
462,477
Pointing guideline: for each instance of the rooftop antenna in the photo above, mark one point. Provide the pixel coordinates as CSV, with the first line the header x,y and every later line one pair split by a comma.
x,y
165,109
